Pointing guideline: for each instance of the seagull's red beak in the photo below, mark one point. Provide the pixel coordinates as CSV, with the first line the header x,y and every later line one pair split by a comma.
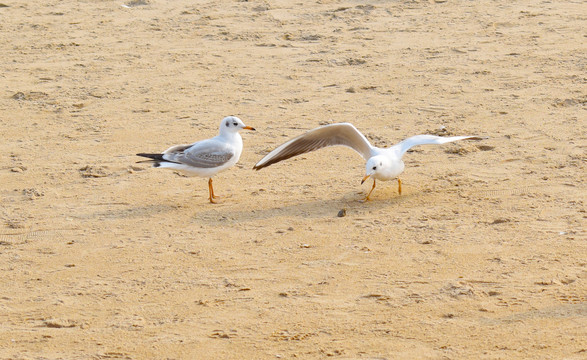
x,y
249,128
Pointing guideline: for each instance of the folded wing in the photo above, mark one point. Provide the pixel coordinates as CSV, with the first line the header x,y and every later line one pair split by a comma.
x,y
203,154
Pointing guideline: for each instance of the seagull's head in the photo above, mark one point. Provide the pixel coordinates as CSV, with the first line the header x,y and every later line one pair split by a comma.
x,y
232,124
375,165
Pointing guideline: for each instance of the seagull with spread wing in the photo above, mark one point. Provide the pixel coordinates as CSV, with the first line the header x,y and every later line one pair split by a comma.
x,y
382,164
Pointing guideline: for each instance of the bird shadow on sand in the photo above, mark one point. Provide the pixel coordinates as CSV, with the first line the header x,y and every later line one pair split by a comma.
x,y
118,211
347,205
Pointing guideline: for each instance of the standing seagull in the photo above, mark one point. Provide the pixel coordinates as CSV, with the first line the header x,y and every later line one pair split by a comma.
x,y
205,158
382,164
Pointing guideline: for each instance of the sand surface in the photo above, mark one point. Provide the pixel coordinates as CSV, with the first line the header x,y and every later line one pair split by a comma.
x,y
483,256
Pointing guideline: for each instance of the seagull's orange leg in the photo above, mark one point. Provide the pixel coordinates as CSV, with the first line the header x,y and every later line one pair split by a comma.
x,y
214,196
211,190
369,194
399,186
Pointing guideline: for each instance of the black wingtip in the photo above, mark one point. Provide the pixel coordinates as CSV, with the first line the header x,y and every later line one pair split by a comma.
x,y
151,156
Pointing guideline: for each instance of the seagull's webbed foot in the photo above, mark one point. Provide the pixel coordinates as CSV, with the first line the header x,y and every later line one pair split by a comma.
x,y
399,186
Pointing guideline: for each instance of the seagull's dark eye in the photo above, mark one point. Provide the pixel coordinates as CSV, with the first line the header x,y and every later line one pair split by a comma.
x,y
374,167
234,124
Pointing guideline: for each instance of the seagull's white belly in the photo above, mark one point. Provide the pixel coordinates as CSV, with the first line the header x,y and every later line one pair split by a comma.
x,y
390,172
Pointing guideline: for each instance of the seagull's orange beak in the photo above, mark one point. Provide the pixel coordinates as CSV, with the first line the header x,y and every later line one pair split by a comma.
x,y
249,128
365,178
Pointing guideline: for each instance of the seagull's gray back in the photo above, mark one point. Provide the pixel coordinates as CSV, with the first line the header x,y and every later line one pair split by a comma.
x,y
209,153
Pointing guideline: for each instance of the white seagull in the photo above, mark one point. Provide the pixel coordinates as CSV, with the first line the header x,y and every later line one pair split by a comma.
x,y
205,158
382,164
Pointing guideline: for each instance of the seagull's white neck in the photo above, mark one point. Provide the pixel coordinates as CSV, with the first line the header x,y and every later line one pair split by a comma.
x,y
231,137
228,134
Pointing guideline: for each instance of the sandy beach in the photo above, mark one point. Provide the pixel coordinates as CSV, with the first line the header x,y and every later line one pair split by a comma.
x,y
483,256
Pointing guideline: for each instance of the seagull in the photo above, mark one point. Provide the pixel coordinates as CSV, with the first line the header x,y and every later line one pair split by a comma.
x,y
205,158
382,164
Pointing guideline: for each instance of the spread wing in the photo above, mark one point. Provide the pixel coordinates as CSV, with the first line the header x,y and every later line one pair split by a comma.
x,y
329,135
203,154
405,145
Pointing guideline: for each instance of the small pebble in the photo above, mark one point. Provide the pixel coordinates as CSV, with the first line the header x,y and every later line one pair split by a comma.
x,y
500,221
341,213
